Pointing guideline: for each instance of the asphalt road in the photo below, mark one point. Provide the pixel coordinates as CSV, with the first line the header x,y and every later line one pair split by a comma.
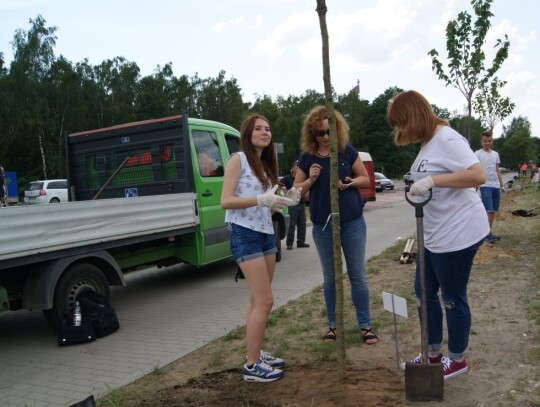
x,y
164,315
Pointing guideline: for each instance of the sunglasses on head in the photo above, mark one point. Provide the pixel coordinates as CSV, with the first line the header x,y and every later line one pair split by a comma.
x,y
321,133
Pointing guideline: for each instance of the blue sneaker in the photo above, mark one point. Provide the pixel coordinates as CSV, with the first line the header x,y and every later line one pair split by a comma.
x,y
261,372
271,360
489,240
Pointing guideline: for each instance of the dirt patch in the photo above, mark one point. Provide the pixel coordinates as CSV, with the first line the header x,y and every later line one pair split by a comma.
x,y
304,386
503,351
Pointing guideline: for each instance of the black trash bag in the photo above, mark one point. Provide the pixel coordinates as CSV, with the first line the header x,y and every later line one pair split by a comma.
x,y
87,402
95,307
71,335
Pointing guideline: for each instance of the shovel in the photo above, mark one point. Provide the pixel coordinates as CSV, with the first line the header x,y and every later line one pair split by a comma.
x,y
424,381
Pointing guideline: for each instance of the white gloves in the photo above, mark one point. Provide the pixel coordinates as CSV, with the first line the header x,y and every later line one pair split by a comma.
x,y
270,200
419,188
294,195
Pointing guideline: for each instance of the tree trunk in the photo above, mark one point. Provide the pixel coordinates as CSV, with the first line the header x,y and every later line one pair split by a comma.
x,y
334,196
42,152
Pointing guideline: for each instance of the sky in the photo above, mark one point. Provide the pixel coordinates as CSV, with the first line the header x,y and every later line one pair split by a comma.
x,y
274,47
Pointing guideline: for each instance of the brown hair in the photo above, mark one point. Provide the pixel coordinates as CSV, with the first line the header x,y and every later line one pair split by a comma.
x,y
412,118
486,133
267,163
312,123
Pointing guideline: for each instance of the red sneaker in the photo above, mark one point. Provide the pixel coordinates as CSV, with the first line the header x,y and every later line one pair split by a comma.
x,y
453,368
418,360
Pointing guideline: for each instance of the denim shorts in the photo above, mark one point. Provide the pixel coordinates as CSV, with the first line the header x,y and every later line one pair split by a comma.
x,y
247,244
491,198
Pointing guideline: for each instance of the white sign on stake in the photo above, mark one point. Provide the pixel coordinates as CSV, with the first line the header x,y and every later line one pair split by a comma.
x,y
397,306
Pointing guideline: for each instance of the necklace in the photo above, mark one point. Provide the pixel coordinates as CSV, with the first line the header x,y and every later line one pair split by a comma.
x,y
322,156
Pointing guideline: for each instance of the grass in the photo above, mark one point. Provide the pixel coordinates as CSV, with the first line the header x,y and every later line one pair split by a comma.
x,y
295,329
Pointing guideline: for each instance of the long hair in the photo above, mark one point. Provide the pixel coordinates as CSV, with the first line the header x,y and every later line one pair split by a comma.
x,y
312,124
412,118
267,163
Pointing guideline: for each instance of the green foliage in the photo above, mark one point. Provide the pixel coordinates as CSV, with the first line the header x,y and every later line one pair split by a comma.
x,y
519,147
467,72
461,123
491,106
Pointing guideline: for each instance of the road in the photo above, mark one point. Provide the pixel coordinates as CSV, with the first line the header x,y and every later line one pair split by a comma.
x,y
164,315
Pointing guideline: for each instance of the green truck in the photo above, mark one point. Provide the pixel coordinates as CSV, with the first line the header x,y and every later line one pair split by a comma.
x,y
141,194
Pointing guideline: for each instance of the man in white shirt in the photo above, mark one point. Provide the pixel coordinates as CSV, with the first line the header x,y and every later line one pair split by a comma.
x,y
491,190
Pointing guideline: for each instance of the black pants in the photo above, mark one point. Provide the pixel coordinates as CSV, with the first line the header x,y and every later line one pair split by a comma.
x,y
297,215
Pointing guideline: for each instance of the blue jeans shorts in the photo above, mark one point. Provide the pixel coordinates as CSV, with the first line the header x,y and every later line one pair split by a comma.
x,y
491,198
247,244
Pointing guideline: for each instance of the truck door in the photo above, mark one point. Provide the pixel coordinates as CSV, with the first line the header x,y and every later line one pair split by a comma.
x,y
211,150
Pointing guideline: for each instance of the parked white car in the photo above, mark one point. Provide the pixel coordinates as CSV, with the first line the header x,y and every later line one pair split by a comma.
x,y
46,191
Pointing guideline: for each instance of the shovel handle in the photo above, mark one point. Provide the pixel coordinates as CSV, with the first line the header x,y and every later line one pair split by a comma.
x,y
419,213
418,206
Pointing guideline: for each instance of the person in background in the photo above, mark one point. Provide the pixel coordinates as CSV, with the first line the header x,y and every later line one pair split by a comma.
x,y
249,197
313,175
490,191
523,169
205,163
534,170
297,214
3,193
455,221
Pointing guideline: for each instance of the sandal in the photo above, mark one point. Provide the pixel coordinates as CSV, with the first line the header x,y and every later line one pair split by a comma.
x,y
369,336
330,336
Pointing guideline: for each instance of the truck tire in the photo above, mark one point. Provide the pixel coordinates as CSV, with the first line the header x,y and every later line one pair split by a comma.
x,y
70,284
278,240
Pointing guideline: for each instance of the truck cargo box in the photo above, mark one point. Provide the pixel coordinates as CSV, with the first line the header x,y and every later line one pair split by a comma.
x,y
137,159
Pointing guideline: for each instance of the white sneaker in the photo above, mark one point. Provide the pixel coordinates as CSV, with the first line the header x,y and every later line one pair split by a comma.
x,y
271,360
261,372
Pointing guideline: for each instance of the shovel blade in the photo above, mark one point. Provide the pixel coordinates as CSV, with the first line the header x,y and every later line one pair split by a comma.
x,y
424,382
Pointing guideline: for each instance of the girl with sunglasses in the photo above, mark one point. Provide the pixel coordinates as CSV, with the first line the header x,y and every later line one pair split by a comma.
x,y
313,174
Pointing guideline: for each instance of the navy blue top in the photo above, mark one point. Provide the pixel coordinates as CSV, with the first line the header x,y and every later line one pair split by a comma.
x,y
350,200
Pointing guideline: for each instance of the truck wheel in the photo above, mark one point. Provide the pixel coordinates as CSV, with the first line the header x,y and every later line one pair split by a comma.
x,y
71,283
278,240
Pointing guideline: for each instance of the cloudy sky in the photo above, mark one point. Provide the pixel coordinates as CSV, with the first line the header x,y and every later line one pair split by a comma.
x,y
273,47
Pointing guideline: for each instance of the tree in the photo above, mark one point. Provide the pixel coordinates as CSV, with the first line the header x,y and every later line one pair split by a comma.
x,y
30,70
354,110
519,147
154,96
334,199
387,157
491,106
461,123
220,99
465,46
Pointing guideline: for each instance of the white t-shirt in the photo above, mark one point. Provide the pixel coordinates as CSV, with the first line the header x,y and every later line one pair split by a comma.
x,y
254,217
455,218
489,161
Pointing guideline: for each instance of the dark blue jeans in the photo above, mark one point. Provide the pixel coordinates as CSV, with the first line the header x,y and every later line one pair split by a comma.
x,y
353,244
450,272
